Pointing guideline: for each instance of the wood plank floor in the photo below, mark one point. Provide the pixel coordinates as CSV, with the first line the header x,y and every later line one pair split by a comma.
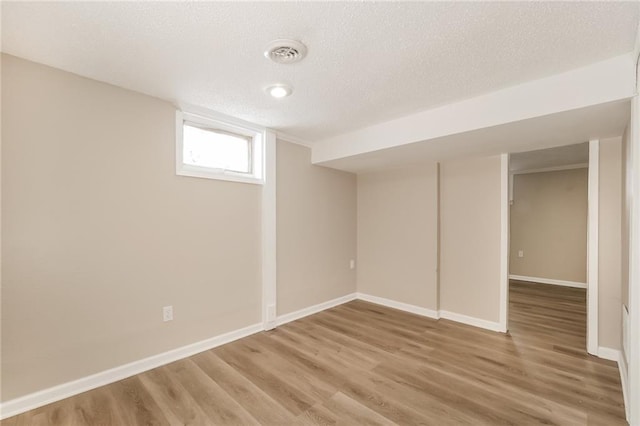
x,y
360,363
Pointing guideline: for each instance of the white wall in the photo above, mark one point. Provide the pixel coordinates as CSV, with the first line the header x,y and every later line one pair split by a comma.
x,y
633,205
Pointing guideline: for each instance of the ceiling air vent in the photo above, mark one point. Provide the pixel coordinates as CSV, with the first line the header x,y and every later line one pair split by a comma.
x,y
285,51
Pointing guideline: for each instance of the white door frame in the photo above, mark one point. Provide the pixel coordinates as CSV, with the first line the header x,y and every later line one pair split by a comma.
x,y
504,242
269,274
592,246
633,371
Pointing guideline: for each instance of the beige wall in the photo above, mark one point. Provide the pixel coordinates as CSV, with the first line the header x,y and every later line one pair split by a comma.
x,y
316,230
397,235
609,262
470,237
549,224
99,233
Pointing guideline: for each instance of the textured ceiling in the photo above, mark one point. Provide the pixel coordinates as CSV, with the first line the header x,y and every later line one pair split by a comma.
x,y
367,62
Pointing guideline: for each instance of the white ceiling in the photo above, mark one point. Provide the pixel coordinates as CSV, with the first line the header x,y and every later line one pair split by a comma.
x,y
550,157
367,62
554,130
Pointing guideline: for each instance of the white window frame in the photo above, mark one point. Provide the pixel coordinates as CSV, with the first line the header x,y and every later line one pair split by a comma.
x,y
256,149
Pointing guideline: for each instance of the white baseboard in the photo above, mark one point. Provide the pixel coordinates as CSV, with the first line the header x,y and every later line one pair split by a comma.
x,y
608,353
46,396
617,356
418,310
283,319
65,390
622,367
564,283
476,322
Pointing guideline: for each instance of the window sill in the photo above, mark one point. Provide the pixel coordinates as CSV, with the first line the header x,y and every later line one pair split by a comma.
x,y
228,176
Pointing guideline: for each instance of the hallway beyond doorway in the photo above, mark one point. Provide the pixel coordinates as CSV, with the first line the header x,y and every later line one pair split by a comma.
x,y
553,319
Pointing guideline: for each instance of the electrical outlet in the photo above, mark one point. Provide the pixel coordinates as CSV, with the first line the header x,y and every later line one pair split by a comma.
x,y
167,313
520,253
352,264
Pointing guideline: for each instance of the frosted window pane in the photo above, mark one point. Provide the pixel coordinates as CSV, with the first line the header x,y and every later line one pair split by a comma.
x,y
205,148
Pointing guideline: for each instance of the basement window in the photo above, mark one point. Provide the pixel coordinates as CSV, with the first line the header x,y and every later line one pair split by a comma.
x,y
214,149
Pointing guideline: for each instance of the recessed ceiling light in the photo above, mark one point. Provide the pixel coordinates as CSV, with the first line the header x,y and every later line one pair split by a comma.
x,y
279,90
284,51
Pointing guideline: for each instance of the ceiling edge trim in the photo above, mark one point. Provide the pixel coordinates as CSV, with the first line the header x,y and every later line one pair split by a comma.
x,y
293,139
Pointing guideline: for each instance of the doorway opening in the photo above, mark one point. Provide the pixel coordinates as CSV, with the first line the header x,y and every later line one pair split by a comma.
x,y
553,246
